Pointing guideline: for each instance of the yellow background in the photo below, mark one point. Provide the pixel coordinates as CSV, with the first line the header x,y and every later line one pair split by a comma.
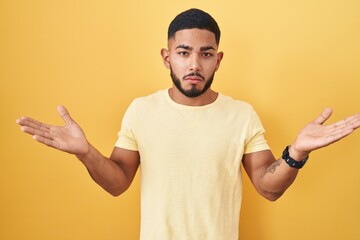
x,y
289,59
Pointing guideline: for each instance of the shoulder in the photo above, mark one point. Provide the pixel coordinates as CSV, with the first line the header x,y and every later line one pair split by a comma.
x,y
156,96
151,101
236,105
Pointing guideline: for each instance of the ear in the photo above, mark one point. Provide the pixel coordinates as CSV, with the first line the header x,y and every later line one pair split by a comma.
x,y
165,56
220,56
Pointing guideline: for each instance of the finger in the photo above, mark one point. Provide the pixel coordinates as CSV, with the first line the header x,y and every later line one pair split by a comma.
x,y
336,136
324,116
346,126
354,121
33,131
46,141
31,126
63,112
25,121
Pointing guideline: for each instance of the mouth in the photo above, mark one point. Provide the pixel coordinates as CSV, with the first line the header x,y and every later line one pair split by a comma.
x,y
194,78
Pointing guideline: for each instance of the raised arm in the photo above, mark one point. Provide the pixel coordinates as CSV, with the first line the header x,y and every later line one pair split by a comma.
x,y
114,174
272,177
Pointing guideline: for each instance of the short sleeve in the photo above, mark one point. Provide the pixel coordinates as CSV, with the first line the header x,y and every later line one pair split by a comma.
x,y
126,136
256,135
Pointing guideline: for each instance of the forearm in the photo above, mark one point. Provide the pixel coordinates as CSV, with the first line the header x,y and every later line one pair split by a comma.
x,y
114,174
279,175
105,172
276,178
272,177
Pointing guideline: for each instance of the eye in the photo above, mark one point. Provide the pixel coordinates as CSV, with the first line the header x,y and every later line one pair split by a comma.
x,y
183,53
206,54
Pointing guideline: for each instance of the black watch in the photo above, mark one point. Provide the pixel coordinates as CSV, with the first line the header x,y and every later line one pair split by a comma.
x,y
291,162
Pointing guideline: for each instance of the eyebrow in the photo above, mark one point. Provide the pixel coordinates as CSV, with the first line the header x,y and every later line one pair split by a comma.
x,y
206,48
184,46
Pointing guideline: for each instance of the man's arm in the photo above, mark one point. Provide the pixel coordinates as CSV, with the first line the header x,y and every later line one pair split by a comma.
x,y
114,174
272,177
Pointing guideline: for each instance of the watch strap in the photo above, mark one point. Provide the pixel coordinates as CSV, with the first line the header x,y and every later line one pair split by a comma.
x,y
292,162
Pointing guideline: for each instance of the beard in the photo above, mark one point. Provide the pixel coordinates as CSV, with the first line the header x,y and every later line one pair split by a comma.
x,y
193,91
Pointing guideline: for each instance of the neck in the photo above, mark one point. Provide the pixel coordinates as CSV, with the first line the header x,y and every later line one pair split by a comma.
x,y
206,98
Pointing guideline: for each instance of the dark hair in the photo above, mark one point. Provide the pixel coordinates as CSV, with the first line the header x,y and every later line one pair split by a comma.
x,y
194,18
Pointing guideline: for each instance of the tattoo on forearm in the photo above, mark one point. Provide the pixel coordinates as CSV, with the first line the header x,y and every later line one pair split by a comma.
x,y
272,167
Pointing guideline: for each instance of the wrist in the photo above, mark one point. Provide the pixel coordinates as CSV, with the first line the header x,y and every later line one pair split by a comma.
x,y
296,154
85,154
291,161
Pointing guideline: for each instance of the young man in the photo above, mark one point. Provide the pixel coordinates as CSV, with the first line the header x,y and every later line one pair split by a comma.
x,y
190,142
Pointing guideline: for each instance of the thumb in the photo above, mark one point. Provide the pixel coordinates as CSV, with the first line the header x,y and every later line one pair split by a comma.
x,y
63,112
325,115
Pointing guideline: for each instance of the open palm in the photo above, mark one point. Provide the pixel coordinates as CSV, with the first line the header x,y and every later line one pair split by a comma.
x,y
316,135
68,138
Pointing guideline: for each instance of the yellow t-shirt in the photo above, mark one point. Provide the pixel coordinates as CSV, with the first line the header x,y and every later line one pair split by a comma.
x,y
190,164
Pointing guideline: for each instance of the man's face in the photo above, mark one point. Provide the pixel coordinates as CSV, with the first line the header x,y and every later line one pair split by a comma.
x,y
192,58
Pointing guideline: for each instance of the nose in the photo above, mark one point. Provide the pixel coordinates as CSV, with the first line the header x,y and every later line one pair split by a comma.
x,y
194,63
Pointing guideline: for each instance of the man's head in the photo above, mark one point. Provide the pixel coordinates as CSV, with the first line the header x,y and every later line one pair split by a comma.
x,y
192,55
194,18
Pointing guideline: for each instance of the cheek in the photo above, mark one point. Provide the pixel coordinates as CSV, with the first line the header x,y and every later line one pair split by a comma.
x,y
177,64
210,67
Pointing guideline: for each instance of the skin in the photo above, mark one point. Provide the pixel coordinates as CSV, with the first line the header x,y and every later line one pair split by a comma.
x,y
191,50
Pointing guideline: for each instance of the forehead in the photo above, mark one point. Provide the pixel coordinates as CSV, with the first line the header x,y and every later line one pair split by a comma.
x,y
195,38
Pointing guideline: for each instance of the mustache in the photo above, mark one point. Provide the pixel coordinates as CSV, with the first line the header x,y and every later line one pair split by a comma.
x,y
194,74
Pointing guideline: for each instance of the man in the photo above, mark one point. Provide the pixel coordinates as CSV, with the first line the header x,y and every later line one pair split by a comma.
x,y
191,142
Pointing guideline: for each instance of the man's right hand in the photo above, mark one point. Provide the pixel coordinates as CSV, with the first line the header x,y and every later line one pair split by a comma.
x,y
69,138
